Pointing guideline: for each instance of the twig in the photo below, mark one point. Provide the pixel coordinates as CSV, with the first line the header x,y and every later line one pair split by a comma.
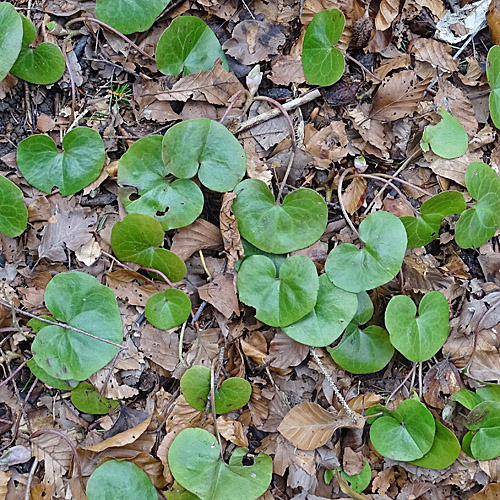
x,y
27,494
203,263
329,379
13,374
341,201
363,68
393,393
181,341
159,273
232,102
212,397
197,316
414,186
72,81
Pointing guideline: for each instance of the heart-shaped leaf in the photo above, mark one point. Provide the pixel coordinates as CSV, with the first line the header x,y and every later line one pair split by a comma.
x,y
364,311
279,300
479,223
13,212
116,480
137,238
44,377
42,65
418,338
377,262
167,309
421,230
447,139
359,482
405,434
194,462
79,300
207,148
444,451
233,394
484,422
333,311
493,74
179,493
323,63
250,250
130,16
86,399
188,44
11,37
467,398
75,168
175,203
275,228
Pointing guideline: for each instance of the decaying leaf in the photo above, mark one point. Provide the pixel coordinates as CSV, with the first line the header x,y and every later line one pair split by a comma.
x,y
221,293
200,235
229,231
387,12
435,53
354,195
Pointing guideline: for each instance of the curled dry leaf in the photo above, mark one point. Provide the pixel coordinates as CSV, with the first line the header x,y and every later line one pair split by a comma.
x,y
387,12
354,196
285,352
232,430
221,293
435,53
229,231
200,235
493,18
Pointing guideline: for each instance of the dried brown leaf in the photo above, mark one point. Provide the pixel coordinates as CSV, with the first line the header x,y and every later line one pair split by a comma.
x,y
435,53
221,293
255,346
200,235
160,347
286,352
452,169
132,286
364,401
354,195
232,430
229,231
493,18
387,12
4,480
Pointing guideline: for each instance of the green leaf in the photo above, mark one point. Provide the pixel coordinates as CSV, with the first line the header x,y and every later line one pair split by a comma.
x,y
44,377
323,63
447,139
467,398
42,65
466,441
297,223
79,300
86,399
130,16
364,311
167,309
493,74
479,223
233,394
444,451
11,37
13,212
359,482
484,422
489,393
179,493
75,168
406,435
423,229
174,203
194,462
279,300
333,311
137,238
377,262
418,338
250,250
206,148
116,480
188,44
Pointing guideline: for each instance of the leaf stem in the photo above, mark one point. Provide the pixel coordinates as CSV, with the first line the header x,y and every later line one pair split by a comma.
x,y
212,397
341,201
394,392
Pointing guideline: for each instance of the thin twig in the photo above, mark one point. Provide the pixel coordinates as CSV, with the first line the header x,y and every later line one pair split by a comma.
x,y
181,341
72,81
414,186
13,374
212,397
27,494
341,201
363,68
232,102
393,393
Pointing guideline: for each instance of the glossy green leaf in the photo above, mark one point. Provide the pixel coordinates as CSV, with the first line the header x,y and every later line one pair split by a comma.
x,y
194,462
489,393
45,378
364,311
418,338
447,139
11,37
41,65
407,434
423,229
137,238
130,16
117,480
359,482
250,250
279,300
78,300
479,223
86,399
467,398
297,223
379,260
174,203
72,170
466,441
323,64
207,148
233,394
444,451
179,493
493,74
13,212
484,422
333,311
188,45
168,309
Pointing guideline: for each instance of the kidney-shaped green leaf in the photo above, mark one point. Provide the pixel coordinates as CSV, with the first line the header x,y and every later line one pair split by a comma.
x,y
11,37
76,167
188,44
44,377
41,65
167,309
117,480
207,148
78,300
13,212
493,74
418,338
275,228
137,238
279,300
359,482
484,422
479,223
194,461
323,63
130,16
178,492
86,399
380,259
175,203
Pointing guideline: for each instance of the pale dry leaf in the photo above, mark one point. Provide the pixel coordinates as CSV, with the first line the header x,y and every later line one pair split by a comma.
x,y
491,491
386,14
286,454
45,123
327,145
224,9
89,252
230,234
255,347
257,169
221,293
435,53
452,169
352,462
4,481
160,347
200,235
232,430
183,415
372,131
285,352
362,402
388,65
147,103
286,69
473,74
493,18
354,195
